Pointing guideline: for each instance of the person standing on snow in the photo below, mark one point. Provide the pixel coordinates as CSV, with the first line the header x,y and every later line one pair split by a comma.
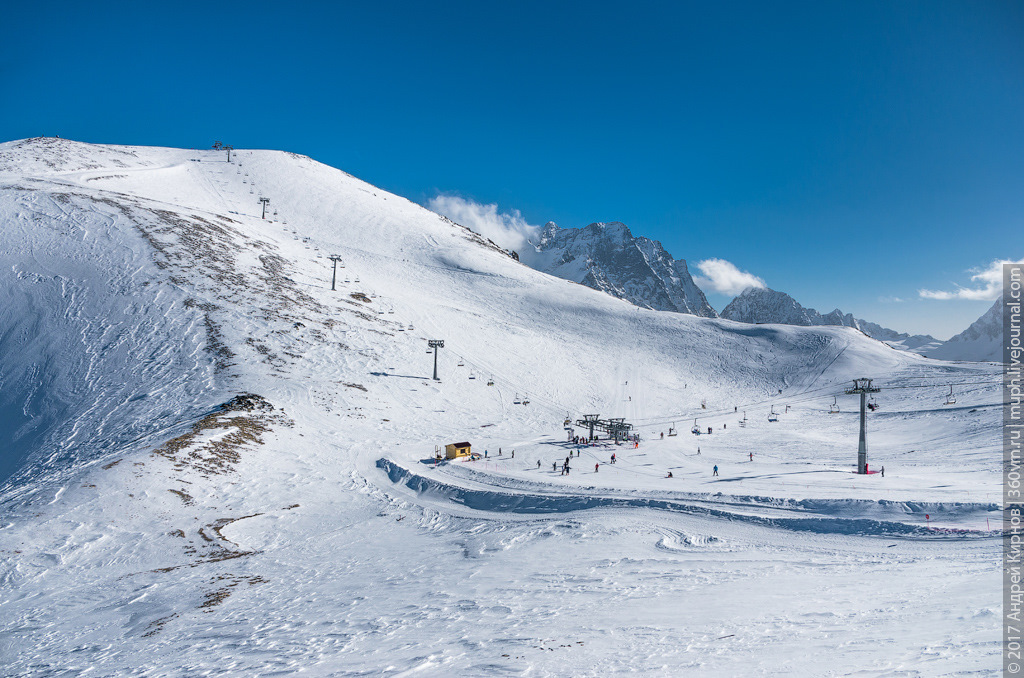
x,y
751,456
716,470
596,466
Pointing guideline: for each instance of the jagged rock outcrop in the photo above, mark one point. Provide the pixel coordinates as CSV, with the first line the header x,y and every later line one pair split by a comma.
x,y
608,257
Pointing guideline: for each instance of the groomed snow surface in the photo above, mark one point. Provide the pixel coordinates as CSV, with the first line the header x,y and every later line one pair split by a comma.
x,y
155,524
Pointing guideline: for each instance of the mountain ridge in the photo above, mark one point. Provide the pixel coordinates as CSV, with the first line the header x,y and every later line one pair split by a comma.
x,y
606,256
765,305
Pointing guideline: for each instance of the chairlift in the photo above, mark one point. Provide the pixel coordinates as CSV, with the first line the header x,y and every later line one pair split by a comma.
x,y
672,430
743,421
872,405
526,401
772,416
568,421
696,429
490,381
411,328
461,364
703,404
834,407
472,376
517,401
950,399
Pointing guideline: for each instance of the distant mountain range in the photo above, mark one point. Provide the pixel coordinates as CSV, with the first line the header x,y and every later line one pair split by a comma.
x,y
608,257
764,305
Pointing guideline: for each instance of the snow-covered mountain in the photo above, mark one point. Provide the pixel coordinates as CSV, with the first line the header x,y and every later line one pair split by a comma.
x,y
608,257
983,340
221,465
765,305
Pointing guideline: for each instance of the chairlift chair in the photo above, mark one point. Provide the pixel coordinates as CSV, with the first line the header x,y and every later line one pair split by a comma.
x,y
461,364
516,401
526,401
696,429
834,407
472,376
672,429
950,399
490,381
772,416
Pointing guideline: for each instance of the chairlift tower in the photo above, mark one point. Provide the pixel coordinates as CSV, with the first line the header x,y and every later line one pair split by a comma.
x,y
435,344
334,275
589,421
228,149
862,387
264,201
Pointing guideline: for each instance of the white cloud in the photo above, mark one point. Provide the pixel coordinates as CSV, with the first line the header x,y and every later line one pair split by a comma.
x,y
988,284
507,229
723,277
891,300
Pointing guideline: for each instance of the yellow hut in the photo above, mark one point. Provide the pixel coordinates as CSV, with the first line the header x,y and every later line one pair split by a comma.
x,y
456,450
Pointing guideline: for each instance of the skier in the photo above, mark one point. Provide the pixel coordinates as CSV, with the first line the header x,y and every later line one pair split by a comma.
x,y
613,457
662,435
513,453
716,470
698,450
751,456
596,466
554,466
538,463
669,474
883,471
485,454
709,430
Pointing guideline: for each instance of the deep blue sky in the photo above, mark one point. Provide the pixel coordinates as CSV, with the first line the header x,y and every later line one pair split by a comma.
x,y
844,152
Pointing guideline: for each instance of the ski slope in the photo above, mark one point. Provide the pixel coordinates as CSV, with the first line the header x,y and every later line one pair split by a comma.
x,y
155,524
